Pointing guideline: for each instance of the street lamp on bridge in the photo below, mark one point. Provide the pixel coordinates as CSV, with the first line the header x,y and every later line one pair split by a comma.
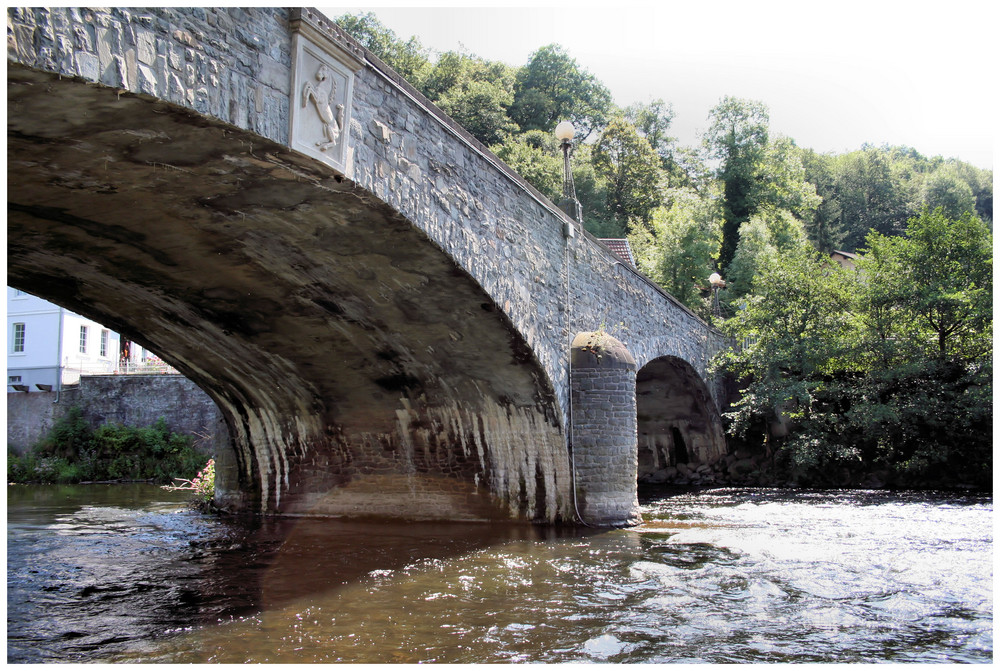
x,y
569,203
715,279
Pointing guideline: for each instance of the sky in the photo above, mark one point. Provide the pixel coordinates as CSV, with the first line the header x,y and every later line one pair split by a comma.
x,y
833,75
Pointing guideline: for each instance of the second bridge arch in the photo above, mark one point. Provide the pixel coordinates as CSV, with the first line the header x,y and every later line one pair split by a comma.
x,y
677,420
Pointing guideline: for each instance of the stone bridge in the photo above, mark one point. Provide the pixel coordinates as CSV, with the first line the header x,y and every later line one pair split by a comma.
x,y
391,321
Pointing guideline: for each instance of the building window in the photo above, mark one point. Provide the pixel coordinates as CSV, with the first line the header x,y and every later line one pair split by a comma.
x,y
18,341
83,340
13,379
104,342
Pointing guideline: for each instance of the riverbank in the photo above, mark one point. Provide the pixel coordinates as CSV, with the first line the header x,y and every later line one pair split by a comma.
x,y
754,468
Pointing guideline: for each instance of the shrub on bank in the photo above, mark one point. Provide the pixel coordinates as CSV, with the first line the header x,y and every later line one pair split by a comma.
x,y
73,452
202,484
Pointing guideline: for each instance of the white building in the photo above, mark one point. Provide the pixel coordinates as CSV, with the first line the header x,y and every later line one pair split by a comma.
x,y
49,347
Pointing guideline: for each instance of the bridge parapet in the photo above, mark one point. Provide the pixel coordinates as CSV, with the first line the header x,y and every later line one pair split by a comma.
x,y
232,64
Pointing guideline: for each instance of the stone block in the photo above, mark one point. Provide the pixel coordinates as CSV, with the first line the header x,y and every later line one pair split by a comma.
x,y
88,66
146,49
146,80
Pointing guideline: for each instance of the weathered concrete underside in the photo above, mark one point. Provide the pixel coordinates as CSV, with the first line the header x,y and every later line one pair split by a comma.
x,y
359,369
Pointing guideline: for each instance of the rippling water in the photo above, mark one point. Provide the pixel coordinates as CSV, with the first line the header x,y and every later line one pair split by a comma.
x,y
129,573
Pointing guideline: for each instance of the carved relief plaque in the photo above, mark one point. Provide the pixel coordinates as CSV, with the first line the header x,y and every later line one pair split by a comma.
x,y
321,93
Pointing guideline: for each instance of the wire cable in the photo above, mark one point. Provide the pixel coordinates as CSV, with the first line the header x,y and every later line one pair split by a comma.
x,y
569,369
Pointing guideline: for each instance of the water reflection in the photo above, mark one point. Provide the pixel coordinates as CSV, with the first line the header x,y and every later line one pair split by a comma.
x,y
719,576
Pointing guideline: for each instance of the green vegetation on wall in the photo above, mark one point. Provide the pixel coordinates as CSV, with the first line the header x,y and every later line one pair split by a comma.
x,y
73,452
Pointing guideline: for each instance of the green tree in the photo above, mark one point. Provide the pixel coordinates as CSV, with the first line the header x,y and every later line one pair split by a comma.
x,y
535,156
552,87
689,169
871,196
408,58
753,251
756,171
945,188
452,70
981,183
475,93
923,326
480,108
769,232
630,168
885,336
781,182
885,369
652,120
680,247
796,321
737,137
825,230
950,279
592,192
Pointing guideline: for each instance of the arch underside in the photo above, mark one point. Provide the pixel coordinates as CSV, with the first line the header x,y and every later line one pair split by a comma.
x,y
361,372
678,422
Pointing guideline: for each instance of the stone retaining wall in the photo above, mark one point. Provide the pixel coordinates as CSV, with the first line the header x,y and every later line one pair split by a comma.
x,y
132,400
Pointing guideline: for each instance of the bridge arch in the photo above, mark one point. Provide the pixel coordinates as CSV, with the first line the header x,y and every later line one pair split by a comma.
x,y
678,421
360,369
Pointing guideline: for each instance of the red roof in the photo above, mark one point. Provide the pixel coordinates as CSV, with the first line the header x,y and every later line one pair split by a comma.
x,y
620,248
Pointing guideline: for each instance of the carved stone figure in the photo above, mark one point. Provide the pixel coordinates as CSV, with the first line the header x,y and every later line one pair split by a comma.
x,y
322,94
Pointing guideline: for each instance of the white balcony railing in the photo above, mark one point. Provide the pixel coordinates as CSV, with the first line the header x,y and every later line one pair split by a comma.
x,y
151,366
147,367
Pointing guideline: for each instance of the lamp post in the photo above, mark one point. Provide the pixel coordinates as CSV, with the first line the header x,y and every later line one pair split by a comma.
x,y
569,204
715,279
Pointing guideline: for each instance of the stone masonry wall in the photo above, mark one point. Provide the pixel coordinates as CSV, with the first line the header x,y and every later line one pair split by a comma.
x,y
232,64
604,430
132,400
29,417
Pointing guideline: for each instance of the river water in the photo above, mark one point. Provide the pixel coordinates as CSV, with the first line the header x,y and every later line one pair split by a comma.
x,y
130,573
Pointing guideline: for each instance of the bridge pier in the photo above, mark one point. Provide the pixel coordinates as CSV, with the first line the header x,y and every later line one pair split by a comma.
x,y
604,434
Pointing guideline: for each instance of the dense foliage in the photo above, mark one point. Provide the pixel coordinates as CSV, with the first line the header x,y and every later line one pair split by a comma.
x,y
882,370
885,369
73,452
629,170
